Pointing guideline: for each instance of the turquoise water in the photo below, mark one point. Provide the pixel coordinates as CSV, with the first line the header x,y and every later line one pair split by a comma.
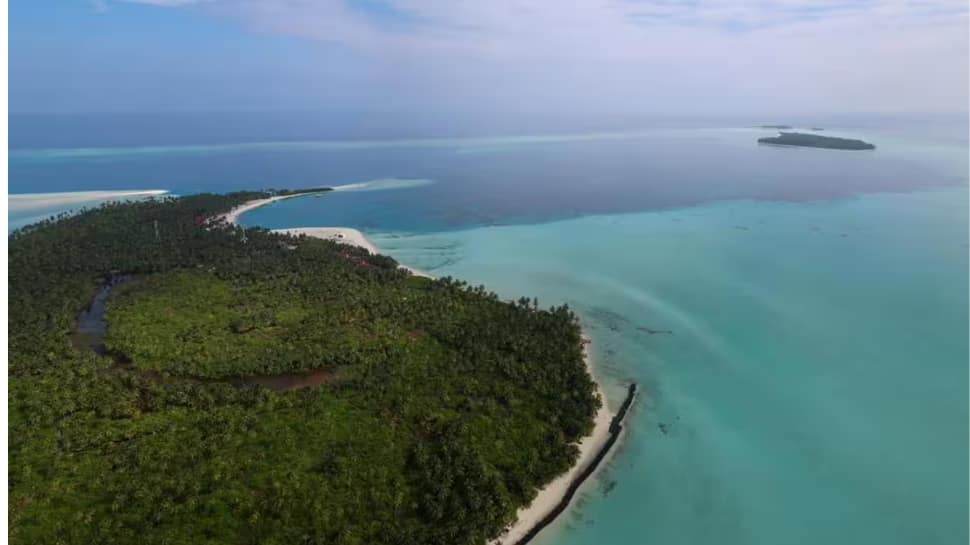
x,y
813,384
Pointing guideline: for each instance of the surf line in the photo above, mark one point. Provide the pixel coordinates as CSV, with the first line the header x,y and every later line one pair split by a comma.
x,y
616,427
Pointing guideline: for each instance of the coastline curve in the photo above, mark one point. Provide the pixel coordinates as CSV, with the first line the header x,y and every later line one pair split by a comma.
x,y
555,497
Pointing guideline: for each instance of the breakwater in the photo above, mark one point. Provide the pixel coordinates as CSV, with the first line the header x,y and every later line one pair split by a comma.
x,y
616,426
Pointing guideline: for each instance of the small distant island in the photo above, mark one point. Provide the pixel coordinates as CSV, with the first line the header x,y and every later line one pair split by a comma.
x,y
815,141
780,127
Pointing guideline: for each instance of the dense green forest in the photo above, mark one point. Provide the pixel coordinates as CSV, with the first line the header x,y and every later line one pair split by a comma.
x,y
444,411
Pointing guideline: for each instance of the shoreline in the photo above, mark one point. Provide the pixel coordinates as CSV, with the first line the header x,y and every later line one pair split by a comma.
x,y
346,235
616,433
556,496
232,216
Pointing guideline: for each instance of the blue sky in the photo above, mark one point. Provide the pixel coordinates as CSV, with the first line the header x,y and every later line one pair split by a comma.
x,y
663,57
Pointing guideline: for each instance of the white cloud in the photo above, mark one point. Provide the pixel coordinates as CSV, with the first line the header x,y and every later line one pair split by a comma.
x,y
821,54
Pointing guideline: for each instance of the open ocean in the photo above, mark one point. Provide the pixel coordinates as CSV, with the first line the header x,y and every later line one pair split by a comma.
x,y
797,318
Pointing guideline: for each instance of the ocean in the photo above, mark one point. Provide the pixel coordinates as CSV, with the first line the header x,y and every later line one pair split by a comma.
x,y
797,318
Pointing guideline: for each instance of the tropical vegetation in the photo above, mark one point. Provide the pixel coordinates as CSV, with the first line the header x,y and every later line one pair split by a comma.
x,y
444,409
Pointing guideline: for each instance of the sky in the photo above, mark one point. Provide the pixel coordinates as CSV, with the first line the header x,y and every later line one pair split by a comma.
x,y
645,57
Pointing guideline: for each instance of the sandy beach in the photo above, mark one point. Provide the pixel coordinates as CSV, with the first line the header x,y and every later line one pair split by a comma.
x,y
549,496
344,235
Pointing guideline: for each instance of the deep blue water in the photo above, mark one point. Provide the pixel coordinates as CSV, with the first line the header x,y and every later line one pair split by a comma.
x,y
501,180
814,385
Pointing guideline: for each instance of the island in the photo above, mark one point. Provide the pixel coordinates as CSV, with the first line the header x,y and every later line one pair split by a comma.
x,y
176,378
815,141
780,127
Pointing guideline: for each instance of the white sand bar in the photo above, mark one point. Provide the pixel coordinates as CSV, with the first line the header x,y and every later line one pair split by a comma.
x,y
36,201
233,215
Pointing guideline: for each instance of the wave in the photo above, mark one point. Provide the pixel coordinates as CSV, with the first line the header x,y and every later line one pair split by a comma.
x,y
460,144
383,184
